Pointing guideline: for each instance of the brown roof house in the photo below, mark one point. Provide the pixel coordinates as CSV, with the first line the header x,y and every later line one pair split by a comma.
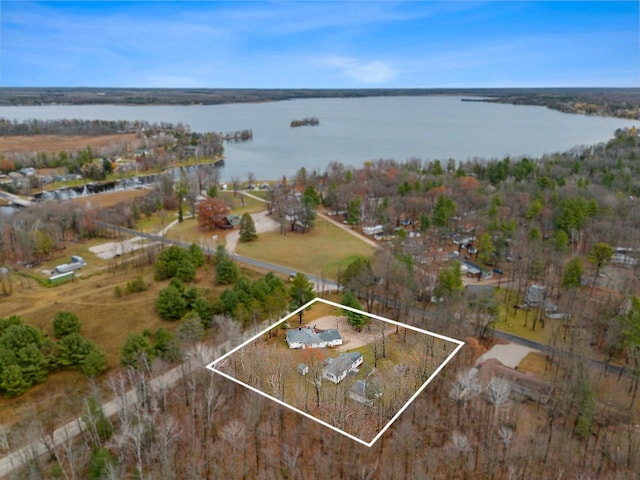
x,y
524,385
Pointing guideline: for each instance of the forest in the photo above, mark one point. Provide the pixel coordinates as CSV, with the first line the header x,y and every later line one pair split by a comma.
x,y
618,102
566,223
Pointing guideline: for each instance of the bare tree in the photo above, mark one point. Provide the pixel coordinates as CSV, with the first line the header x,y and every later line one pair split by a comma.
x,y
498,392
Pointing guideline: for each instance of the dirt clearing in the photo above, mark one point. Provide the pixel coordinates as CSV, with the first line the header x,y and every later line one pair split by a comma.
x,y
351,338
58,143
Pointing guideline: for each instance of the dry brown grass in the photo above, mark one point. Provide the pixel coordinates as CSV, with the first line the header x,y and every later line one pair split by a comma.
x,y
536,364
58,143
106,200
106,320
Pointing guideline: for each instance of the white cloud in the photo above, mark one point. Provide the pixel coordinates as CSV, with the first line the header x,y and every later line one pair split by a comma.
x,y
364,71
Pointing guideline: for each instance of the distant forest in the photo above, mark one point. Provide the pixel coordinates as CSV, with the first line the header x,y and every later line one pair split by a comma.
x,y
615,102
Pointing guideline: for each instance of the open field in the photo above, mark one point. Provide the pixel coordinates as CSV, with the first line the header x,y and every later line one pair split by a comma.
x,y
242,203
325,250
106,319
58,143
106,200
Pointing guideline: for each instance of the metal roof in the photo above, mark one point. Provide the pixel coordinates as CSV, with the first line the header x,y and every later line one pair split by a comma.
x,y
308,336
342,363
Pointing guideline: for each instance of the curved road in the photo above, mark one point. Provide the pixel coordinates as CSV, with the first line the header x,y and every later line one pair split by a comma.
x,y
15,459
330,285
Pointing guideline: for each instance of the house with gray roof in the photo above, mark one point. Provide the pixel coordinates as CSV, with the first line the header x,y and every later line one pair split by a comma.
x,y
340,367
311,337
365,392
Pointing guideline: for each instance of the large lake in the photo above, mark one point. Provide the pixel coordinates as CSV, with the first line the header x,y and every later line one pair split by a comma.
x,y
354,130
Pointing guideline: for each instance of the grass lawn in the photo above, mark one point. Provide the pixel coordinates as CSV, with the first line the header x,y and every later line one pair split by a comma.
x,y
189,231
325,250
515,326
513,321
242,204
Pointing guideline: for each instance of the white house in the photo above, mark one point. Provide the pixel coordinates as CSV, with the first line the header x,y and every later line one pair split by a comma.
x,y
340,367
310,337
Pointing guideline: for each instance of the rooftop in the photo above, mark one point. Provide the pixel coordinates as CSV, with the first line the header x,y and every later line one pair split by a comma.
x,y
342,363
309,335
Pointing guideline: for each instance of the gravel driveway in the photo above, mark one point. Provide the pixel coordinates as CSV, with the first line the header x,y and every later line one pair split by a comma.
x,y
263,223
351,339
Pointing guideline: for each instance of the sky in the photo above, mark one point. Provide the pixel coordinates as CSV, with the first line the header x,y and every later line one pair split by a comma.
x,y
319,44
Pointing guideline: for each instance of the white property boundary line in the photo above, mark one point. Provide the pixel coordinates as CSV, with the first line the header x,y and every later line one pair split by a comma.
x,y
212,367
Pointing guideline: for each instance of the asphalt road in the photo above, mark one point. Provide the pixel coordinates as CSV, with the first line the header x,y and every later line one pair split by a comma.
x,y
15,459
321,284
330,285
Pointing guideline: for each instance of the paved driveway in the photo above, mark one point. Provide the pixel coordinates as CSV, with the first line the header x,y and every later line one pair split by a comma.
x,y
509,354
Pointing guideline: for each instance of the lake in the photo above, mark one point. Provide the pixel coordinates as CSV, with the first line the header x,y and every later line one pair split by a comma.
x,y
354,130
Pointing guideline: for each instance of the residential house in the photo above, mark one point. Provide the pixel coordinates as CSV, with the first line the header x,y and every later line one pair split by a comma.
x,y
310,337
534,295
339,368
524,385
475,270
229,221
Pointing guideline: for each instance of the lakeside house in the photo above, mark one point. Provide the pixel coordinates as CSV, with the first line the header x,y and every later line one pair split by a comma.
x,y
311,337
337,369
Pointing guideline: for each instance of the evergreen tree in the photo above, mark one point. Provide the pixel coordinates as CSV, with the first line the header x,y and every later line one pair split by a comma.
x,y
486,249
65,323
247,229
600,255
166,346
169,261
226,272
197,257
449,281
572,275
94,363
12,381
353,211
137,349
186,271
356,320
73,349
171,304
301,292
444,209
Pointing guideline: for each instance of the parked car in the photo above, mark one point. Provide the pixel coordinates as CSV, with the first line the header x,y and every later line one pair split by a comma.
x,y
498,271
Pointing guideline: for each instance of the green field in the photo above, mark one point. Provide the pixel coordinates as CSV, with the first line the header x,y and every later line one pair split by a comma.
x,y
325,250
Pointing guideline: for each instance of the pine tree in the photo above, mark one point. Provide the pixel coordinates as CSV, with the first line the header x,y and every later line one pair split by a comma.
x,y
355,319
247,229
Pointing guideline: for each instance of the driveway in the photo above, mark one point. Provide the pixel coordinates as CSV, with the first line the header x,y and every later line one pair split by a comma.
x,y
263,223
351,339
509,354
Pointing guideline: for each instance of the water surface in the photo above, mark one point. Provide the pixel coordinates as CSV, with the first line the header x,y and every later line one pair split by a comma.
x,y
354,130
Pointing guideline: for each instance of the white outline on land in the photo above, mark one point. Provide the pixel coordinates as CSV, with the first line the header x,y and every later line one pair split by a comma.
x,y
460,344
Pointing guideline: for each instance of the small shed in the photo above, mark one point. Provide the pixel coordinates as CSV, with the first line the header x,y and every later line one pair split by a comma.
x,y
365,392
302,369
78,259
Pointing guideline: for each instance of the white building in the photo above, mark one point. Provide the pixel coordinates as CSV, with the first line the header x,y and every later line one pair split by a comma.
x,y
339,368
310,337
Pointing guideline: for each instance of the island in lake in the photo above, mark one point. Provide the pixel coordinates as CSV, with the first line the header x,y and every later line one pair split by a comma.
x,y
305,121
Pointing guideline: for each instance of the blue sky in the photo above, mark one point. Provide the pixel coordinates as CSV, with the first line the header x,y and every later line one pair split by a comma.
x,y
320,44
